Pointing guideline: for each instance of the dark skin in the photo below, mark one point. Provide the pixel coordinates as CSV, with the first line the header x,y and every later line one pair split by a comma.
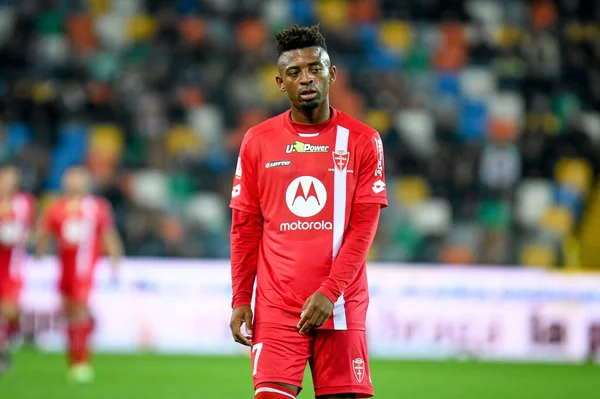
x,y
305,75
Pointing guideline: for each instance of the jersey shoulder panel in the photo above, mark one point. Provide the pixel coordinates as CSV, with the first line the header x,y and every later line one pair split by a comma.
x,y
263,128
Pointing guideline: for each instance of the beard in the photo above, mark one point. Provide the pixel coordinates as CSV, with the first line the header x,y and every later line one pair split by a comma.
x,y
311,104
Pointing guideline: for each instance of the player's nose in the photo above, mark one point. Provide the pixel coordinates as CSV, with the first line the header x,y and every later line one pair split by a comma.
x,y
307,78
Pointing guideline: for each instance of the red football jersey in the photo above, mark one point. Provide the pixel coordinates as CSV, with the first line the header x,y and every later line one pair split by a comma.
x,y
78,227
16,217
304,185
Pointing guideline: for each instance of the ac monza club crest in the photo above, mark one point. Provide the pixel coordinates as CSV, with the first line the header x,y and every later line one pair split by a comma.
x,y
358,366
340,159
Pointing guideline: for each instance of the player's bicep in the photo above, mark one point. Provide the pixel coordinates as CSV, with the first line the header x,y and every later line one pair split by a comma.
x,y
244,192
371,186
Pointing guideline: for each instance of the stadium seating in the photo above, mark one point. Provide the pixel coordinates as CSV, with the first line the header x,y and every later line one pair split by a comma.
x,y
483,136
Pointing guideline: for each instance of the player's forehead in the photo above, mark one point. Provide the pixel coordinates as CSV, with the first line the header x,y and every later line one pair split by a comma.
x,y
303,57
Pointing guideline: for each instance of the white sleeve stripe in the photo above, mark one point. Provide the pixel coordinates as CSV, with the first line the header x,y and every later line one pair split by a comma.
x,y
273,390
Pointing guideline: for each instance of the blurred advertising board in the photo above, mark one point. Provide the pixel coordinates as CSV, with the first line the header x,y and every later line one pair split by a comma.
x,y
182,306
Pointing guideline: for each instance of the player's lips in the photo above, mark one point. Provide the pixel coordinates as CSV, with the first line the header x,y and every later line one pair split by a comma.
x,y
308,95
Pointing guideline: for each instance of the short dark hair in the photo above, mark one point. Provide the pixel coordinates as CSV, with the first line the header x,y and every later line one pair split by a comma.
x,y
297,37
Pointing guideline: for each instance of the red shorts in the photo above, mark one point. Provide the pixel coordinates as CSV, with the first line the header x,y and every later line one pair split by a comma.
x,y
10,289
338,359
76,289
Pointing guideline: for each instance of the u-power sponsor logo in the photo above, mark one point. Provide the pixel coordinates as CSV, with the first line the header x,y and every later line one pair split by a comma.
x,y
305,148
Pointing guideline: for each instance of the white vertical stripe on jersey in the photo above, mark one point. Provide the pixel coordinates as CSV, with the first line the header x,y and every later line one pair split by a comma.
x,y
339,221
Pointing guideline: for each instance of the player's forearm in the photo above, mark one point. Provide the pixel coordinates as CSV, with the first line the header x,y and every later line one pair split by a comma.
x,y
114,247
246,232
353,252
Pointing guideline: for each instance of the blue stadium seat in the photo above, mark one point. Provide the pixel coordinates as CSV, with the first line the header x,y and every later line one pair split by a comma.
x,y
18,134
472,120
448,85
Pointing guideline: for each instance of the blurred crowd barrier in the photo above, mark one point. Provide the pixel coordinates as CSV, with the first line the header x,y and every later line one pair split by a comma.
x,y
178,306
489,112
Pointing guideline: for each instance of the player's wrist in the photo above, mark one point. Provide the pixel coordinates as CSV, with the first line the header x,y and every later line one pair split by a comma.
x,y
329,293
242,300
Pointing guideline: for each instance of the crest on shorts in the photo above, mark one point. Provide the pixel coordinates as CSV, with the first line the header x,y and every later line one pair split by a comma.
x,y
340,159
358,366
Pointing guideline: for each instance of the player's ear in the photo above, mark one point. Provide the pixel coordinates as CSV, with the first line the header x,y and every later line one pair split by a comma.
x,y
332,74
279,82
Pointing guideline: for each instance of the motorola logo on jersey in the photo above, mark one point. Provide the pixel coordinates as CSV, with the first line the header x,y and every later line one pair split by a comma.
x,y
306,196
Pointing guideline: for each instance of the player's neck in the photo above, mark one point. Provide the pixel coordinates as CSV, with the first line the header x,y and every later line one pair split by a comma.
x,y
312,116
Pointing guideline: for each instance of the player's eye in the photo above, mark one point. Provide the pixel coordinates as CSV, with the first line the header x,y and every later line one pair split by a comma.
x,y
293,73
317,69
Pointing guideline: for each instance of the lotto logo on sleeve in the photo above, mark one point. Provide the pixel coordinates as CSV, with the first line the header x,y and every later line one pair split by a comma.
x,y
305,197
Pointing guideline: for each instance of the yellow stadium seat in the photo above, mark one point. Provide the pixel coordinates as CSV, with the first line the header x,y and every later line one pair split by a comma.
x,y
141,27
332,13
106,138
43,91
396,35
267,77
538,255
181,139
574,172
99,7
575,32
412,190
380,120
509,35
559,220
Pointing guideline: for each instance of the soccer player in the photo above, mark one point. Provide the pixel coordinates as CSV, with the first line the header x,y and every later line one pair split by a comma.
x,y
306,199
82,224
16,217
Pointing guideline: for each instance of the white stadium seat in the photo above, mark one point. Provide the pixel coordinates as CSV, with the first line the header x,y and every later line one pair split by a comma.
x,y
533,197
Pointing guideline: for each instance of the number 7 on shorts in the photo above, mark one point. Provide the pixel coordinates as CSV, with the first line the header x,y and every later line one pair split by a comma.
x,y
256,349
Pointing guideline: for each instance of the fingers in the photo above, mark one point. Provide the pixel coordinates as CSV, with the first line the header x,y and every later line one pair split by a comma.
x,y
312,318
305,319
248,322
237,335
235,326
239,338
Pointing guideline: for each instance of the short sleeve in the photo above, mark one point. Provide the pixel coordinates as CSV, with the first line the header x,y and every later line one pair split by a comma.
x,y
370,186
244,192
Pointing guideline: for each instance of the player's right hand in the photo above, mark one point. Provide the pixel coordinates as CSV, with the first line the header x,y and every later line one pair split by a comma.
x,y
241,315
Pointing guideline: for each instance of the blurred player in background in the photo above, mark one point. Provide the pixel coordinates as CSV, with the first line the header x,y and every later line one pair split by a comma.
x,y
16,217
306,200
82,225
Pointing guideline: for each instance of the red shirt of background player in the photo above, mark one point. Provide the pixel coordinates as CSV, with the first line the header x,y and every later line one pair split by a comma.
x,y
16,218
78,227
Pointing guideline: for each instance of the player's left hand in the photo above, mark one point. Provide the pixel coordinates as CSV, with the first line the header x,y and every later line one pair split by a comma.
x,y
315,312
